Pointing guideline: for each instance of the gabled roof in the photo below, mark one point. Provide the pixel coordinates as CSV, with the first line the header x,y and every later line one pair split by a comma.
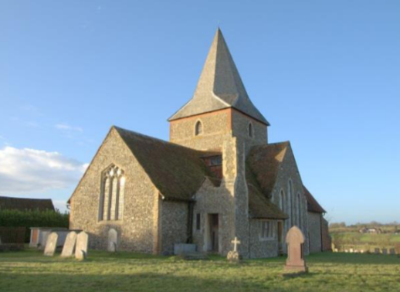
x,y
264,162
23,204
312,203
176,171
219,86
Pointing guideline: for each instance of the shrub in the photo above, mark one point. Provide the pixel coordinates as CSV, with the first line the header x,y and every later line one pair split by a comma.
x,y
16,218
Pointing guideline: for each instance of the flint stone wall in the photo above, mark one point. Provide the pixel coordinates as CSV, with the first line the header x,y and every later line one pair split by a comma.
x,y
314,227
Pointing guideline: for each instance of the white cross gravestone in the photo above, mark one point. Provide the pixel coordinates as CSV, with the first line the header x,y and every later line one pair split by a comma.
x,y
69,245
82,242
112,240
51,244
233,255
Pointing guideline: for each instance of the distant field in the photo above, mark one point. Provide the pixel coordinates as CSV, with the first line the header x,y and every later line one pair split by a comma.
x,y
31,271
366,241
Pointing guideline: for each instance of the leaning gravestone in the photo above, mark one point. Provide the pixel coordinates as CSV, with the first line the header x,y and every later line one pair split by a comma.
x,y
384,251
112,240
82,242
51,244
69,245
295,262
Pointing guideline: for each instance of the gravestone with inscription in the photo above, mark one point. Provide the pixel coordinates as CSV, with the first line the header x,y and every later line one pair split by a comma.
x,y
51,244
82,242
295,262
69,245
112,240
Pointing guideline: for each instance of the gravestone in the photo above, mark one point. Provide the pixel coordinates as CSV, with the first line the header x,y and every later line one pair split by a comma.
x,y
51,244
295,262
233,255
392,251
384,251
82,242
351,250
69,245
377,251
112,240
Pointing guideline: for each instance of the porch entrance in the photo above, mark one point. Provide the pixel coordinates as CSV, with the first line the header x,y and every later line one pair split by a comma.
x,y
213,233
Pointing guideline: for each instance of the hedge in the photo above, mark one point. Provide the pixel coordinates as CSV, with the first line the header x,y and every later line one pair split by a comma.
x,y
15,218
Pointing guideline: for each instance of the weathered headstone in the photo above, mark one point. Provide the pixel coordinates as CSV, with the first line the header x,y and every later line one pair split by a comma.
x,y
377,251
351,250
112,240
392,251
51,244
295,261
82,242
384,251
233,255
69,245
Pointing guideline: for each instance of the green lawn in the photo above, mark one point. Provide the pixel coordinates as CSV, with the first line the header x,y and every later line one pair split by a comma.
x,y
31,271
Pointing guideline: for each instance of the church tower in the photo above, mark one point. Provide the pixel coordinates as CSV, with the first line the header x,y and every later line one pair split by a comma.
x,y
220,107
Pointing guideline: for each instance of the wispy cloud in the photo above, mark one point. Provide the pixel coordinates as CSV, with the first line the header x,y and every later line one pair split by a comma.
x,y
66,127
29,170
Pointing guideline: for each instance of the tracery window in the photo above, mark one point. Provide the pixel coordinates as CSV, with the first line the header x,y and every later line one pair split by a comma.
x,y
112,194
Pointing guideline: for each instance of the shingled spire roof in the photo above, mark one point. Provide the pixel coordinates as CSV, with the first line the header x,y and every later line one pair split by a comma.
x,y
219,86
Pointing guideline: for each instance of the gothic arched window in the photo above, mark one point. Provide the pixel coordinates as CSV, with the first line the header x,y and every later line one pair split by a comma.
x,y
290,203
298,210
198,128
112,194
250,130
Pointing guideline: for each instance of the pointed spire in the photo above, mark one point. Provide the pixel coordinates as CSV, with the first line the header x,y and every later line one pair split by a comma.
x,y
219,86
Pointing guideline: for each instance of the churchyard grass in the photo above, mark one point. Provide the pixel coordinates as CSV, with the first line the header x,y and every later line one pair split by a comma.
x,y
31,271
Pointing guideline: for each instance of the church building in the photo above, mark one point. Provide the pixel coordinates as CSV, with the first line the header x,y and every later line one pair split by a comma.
x,y
216,179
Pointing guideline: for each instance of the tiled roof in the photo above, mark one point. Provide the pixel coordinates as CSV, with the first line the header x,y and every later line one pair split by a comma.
x,y
219,86
312,203
23,204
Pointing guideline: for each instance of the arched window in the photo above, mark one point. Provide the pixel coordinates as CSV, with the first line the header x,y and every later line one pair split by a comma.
x,y
290,203
198,128
282,201
298,210
250,130
112,194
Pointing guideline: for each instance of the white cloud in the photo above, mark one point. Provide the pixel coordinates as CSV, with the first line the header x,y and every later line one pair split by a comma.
x,y
67,127
29,170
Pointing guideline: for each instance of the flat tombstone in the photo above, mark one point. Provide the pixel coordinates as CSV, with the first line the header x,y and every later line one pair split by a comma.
x,y
384,251
69,245
82,242
392,251
295,261
377,251
112,240
51,244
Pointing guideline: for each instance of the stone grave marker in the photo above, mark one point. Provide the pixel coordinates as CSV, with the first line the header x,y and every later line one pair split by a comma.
x,y
377,251
295,262
233,255
351,250
384,251
392,251
112,240
82,242
69,245
51,244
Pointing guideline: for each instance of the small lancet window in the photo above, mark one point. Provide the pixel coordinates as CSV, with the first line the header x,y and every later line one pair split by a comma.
x,y
198,129
250,130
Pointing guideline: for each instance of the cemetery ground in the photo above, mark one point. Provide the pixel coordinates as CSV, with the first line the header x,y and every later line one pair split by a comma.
x,y
30,271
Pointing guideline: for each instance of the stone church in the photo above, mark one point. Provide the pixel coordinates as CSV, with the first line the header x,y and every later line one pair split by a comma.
x,y
216,179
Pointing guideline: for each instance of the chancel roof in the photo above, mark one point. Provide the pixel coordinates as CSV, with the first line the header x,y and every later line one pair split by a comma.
x,y
312,203
219,86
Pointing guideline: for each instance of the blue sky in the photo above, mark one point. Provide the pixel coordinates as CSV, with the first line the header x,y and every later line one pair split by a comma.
x,y
326,75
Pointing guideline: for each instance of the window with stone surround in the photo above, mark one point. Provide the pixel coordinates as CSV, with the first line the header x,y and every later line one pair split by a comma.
x,y
267,231
112,194
198,128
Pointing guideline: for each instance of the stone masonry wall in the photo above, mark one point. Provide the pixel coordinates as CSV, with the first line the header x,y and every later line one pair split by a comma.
x,y
258,247
135,229
314,227
290,172
174,220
